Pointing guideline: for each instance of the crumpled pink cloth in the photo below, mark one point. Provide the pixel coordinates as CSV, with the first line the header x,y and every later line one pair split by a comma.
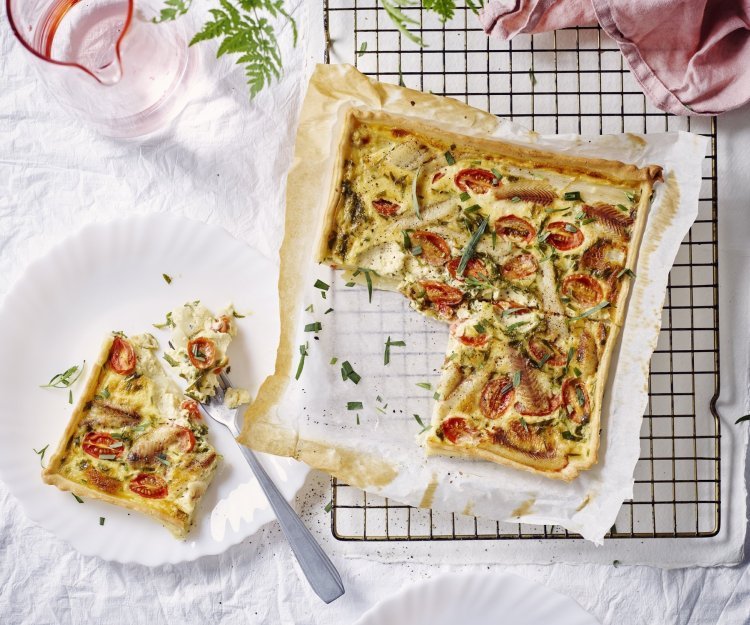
x,y
690,56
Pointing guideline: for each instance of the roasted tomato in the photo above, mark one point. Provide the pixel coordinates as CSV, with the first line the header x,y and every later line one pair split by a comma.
x,y
202,352
457,429
564,236
582,289
191,406
519,267
439,293
576,400
478,180
472,340
604,257
509,307
515,228
434,248
122,356
98,444
385,208
222,324
540,350
149,485
185,439
496,397
475,268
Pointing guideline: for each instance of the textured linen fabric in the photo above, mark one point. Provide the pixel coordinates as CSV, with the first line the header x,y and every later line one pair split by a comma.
x,y
224,161
689,57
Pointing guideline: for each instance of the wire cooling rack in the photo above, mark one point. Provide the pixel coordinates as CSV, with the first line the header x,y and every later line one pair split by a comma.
x,y
573,80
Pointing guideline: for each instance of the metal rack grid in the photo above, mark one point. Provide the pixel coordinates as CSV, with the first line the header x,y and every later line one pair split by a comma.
x,y
573,80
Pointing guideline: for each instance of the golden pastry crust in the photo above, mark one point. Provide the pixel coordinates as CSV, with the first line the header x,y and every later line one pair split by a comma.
x,y
154,434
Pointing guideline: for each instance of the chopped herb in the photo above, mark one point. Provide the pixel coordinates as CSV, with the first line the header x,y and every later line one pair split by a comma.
x,y
472,209
302,356
471,247
43,450
418,419
525,425
425,385
101,520
497,174
70,397
626,271
515,198
506,388
464,196
591,311
449,158
494,239
309,308
542,235
170,360
362,48
107,456
167,278
104,393
379,398
569,436
347,373
350,284
479,328
161,458
556,210
334,360
328,311
381,410
354,405
436,396
571,228
328,507
414,196
315,326
516,379
513,326
357,418
588,221
169,323
510,311
319,284
116,444
237,315
388,345
77,498
570,357
572,196
580,396
416,250
622,207
544,360
407,239
740,420
630,195
66,378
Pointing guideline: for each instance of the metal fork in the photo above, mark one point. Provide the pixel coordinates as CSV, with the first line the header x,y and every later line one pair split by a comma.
x,y
315,564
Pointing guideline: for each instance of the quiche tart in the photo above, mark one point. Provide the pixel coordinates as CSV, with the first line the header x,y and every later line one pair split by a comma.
x,y
134,440
537,249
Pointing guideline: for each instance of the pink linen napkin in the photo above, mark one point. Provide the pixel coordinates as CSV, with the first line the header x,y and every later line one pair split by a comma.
x,y
690,56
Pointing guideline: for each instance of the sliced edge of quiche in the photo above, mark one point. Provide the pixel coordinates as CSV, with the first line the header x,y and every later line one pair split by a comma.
x,y
134,440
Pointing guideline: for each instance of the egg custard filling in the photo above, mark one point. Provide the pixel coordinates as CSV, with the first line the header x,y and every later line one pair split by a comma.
x,y
134,439
529,254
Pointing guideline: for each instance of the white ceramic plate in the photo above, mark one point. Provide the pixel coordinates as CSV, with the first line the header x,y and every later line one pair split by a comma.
x,y
109,277
479,599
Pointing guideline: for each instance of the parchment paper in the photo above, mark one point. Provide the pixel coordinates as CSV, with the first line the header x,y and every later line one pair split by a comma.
x,y
375,447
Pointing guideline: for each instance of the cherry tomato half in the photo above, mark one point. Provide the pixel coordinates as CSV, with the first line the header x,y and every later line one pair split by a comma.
x,y
122,356
457,429
564,236
583,289
496,397
98,444
541,350
519,267
515,229
475,268
435,250
576,400
149,486
439,293
478,180
202,353
191,406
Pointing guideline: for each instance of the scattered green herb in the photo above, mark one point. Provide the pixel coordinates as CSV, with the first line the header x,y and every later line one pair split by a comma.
x,y
591,311
309,308
416,250
418,419
334,360
328,311
516,379
388,345
348,373
497,174
319,284
449,158
425,385
362,49
77,498
329,506
407,239
626,271
237,315
436,396
571,228
66,378
622,208
414,196
515,325
572,196
465,196
515,198
630,195
471,247
70,397
354,405
169,323
170,360
525,425
43,450
302,356
315,326
101,520
167,278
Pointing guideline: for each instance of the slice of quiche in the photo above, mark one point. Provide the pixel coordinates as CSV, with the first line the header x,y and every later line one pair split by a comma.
x,y
523,389
134,439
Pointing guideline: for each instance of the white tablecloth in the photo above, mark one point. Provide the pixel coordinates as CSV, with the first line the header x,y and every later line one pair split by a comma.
x,y
55,175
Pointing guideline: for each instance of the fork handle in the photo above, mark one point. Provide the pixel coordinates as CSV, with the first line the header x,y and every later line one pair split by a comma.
x,y
315,564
